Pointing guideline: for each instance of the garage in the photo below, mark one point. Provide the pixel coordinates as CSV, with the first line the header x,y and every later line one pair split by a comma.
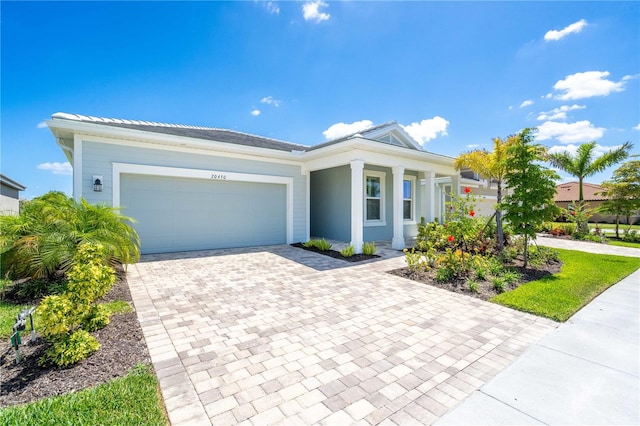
x,y
182,214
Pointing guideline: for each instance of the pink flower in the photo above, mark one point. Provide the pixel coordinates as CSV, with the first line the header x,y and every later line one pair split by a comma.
x,y
450,238
467,190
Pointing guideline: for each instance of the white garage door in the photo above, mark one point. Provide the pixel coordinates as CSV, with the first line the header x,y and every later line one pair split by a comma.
x,y
180,214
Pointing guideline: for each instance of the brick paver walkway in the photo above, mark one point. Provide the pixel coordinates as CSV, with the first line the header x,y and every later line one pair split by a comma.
x,y
280,335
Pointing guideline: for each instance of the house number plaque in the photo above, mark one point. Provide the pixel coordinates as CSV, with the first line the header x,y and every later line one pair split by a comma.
x,y
218,176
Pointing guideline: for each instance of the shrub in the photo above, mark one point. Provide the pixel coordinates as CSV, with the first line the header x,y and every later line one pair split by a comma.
x,y
541,255
369,248
473,286
631,235
510,277
420,260
66,318
71,348
348,251
45,236
444,275
321,244
498,284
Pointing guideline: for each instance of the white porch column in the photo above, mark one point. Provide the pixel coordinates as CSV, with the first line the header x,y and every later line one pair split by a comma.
x,y
357,199
429,195
455,184
398,217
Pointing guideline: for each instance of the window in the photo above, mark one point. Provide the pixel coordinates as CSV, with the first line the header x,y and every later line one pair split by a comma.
x,y
374,198
408,194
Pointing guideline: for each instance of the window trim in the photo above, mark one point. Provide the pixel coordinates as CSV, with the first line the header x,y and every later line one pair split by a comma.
x,y
377,222
413,180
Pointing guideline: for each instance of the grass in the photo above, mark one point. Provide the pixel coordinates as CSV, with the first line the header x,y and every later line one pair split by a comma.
x,y
583,277
130,400
621,243
611,226
118,307
8,314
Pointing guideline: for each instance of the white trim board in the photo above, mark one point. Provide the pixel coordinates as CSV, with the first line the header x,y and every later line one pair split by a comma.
x,y
141,169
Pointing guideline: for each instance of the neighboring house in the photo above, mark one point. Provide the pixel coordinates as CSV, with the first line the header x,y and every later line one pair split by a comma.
x,y
10,195
569,193
192,188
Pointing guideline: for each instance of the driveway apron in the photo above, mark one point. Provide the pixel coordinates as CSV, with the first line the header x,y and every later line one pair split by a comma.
x,y
279,335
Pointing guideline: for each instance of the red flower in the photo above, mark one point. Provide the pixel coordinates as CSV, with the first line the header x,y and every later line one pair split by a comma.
x,y
467,190
573,213
450,238
472,213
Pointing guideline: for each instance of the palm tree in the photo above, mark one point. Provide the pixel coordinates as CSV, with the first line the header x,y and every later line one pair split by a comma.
x,y
583,165
44,238
491,166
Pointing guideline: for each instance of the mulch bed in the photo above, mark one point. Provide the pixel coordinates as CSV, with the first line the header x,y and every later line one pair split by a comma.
x,y
122,346
485,288
336,254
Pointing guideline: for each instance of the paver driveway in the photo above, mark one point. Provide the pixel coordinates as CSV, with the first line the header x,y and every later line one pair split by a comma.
x,y
280,335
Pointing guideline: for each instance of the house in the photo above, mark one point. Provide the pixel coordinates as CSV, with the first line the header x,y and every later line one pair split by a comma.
x,y
569,193
192,188
10,195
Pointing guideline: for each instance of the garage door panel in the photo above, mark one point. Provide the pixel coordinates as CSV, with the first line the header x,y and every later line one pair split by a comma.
x,y
178,214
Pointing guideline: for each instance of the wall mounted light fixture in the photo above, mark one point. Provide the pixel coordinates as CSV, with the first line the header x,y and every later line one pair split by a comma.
x,y
97,183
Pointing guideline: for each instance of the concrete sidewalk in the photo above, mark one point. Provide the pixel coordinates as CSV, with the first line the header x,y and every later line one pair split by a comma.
x,y
584,372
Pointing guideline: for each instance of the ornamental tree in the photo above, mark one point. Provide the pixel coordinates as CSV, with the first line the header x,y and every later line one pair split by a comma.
x,y
532,188
491,166
623,192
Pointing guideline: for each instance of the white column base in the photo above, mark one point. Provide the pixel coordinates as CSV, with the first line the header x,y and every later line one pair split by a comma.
x,y
398,244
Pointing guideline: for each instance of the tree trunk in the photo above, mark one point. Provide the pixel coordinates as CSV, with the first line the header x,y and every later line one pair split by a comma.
x,y
526,252
499,231
617,226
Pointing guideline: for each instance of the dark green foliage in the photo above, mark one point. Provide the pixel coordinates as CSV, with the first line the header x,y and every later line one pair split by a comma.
x,y
532,189
43,239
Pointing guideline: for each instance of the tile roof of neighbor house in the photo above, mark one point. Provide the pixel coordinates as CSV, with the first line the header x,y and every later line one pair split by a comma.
x,y
4,180
212,133
570,191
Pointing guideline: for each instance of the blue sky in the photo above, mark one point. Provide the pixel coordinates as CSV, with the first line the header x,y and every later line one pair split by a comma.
x,y
455,74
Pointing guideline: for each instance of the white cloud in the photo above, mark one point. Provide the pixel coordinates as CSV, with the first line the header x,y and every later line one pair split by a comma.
x,y
572,149
510,107
576,27
637,127
427,129
311,11
255,112
57,168
559,113
272,7
586,85
473,146
339,130
270,101
526,103
567,133
42,125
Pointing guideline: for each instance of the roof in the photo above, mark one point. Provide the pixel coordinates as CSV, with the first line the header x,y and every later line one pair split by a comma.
x,y
238,138
570,191
6,181
206,133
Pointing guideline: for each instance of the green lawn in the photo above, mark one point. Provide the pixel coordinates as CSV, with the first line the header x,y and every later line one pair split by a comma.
x,y
8,314
130,400
620,243
611,226
583,277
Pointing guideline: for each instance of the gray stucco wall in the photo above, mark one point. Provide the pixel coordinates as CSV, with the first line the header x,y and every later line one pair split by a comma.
x,y
97,159
331,203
